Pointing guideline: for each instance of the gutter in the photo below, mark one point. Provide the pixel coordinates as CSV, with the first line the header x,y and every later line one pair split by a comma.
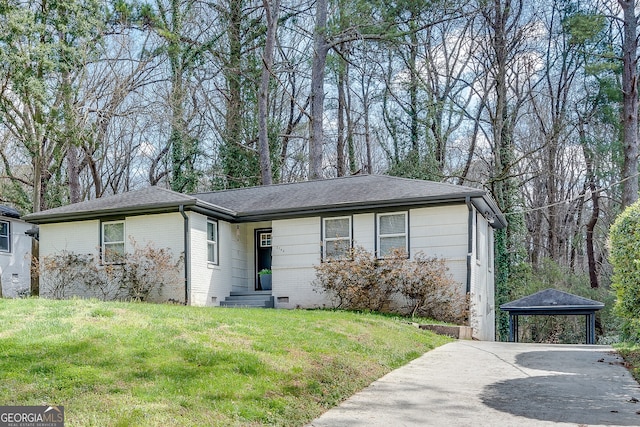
x,y
470,243
187,277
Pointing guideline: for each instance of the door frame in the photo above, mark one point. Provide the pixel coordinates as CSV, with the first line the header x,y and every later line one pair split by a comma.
x,y
257,240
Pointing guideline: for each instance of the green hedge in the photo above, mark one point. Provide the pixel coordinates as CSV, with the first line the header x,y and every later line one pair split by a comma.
x,y
625,259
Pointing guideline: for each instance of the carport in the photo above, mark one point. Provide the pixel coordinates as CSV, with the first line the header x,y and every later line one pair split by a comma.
x,y
552,302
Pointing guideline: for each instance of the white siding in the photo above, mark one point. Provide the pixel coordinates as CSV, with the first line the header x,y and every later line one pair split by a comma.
x,y
442,232
83,237
15,266
482,282
364,231
296,249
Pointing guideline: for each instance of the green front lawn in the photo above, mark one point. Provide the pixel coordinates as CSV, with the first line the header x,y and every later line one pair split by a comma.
x,y
128,364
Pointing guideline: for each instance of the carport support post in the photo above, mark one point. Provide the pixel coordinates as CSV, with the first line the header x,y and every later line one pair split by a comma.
x,y
590,325
513,328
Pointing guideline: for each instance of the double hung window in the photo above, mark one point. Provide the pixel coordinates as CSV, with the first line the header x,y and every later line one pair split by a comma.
x,y
5,236
336,238
392,233
212,242
113,242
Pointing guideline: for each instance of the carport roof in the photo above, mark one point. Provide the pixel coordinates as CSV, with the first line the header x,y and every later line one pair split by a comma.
x,y
552,301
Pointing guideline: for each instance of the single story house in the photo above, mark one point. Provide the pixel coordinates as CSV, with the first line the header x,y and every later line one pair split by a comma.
x,y
15,253
227,237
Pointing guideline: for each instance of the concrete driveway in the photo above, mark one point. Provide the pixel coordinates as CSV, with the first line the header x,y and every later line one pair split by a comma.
x,y
472,383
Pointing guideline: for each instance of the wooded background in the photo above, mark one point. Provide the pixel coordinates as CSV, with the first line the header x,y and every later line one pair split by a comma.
x,y
535,101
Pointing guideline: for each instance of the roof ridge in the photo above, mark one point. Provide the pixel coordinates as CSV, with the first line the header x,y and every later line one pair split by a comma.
x,y
170,191
282,184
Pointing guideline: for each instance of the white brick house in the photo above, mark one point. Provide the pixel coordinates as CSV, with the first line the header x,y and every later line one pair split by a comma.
x,y
15,253
227,237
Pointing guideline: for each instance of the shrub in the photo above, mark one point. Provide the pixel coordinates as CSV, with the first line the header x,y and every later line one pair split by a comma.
x,y
144,271
67,273
625,259
148,269
429,290
355,283
418,287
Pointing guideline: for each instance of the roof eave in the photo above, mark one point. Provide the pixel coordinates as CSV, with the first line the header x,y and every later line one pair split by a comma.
x,y
487,205
155,208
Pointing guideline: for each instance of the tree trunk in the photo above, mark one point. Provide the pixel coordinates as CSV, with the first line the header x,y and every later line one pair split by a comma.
x,y
629,103
342,106
321,48
271,13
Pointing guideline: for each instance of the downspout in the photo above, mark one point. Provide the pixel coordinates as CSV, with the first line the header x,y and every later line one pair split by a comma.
x,y
187,281
470,243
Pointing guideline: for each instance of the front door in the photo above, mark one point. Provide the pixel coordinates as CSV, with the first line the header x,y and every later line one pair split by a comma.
x,y
263,253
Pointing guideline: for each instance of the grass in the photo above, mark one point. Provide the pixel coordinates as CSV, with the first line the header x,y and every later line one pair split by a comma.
x,y
128,364
630,352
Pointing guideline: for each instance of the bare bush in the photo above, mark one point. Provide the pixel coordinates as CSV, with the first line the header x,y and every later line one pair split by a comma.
x,y
148,269
355,283
143,272
365,282
67,273
429,290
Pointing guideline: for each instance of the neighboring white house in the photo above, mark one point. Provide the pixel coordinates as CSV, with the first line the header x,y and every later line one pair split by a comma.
x,y
227,237
15,253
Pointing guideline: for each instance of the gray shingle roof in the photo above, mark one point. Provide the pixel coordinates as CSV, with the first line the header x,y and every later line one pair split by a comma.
x,y
340,192
281,200
151,199
9,212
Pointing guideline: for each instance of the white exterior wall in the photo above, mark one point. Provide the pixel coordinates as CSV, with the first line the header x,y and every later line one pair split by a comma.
x,y
15,266
83,237
364,231
80,237
482,281
296,249
160,231
442,232
211,283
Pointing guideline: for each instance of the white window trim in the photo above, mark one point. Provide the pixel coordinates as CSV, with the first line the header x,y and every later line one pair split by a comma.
x,y
327,240
8,250
214,243
380,236
103,244
266,242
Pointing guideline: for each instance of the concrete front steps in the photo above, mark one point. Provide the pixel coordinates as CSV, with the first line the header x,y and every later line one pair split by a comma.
x,y
256,299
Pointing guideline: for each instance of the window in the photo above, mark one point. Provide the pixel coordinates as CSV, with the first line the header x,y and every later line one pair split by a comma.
x,y
337,237
265,240
112,242
392,233
212,242
5,236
